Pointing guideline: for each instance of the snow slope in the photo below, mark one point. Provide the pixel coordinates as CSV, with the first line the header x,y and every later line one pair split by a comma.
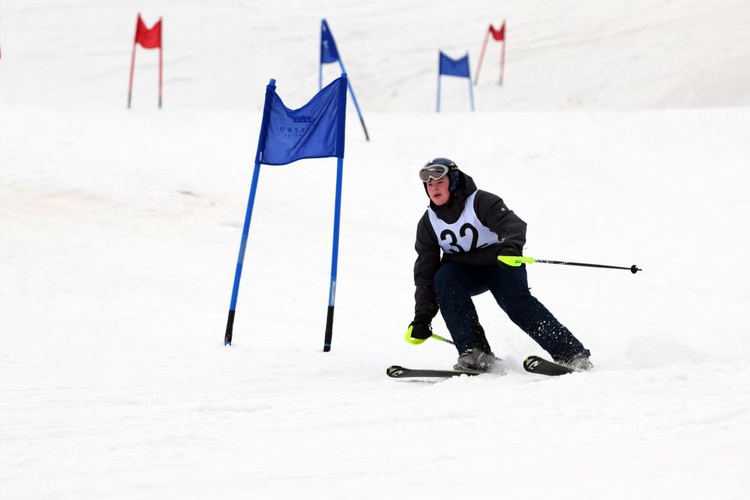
x,y
619,135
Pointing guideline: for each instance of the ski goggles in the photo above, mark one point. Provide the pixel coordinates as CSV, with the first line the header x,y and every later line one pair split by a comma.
x,y
432,172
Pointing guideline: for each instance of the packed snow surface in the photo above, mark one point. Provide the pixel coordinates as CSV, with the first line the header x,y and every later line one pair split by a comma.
x,y
620,135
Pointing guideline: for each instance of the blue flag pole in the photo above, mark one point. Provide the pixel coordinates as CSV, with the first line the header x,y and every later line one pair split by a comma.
x,y
471,96
354,100
471,90
334,257
241,257
246,224
341,131
440,72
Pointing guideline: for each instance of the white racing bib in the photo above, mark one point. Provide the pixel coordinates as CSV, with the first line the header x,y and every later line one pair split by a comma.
x,y
464,235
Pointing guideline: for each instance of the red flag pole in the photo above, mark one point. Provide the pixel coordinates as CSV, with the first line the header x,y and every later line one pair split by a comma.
x,y
161,50
132,65
502,55
481,54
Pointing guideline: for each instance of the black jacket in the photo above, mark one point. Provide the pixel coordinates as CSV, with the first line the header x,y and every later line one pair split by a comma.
x,y
491,212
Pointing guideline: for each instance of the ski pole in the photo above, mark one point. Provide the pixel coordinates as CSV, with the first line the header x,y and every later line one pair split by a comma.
x,y
442,339
515,261
435,336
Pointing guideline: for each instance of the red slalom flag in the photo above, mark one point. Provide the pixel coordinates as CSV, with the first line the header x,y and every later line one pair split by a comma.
x,y
499,34
148,38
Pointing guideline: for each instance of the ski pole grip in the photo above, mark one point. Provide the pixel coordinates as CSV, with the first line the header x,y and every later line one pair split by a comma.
x,y
411,339
515,260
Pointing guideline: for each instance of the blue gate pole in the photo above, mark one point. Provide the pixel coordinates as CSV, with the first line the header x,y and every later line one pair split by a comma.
x,y
438,94
334,257
354,100
471,91
241,257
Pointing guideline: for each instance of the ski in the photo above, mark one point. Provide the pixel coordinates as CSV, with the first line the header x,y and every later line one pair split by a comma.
x,y
535,364
532,364
396,371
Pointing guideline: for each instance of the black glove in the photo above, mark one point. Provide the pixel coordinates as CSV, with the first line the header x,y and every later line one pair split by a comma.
x,y
508,250
418,331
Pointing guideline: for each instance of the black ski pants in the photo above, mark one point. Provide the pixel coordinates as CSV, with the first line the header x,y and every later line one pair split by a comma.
x,y
457,283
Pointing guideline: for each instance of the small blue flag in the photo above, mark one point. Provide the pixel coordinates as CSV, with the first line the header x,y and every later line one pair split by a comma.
x,y
328,51
454,67
316,130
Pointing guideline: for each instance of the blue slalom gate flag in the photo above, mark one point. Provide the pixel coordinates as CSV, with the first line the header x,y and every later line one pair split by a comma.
x,y
316,130
454,67
328,51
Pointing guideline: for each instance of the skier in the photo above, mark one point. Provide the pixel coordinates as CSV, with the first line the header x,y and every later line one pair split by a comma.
x,y
472,228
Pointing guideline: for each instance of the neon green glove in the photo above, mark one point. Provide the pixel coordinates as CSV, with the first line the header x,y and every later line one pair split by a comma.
x,y
418,332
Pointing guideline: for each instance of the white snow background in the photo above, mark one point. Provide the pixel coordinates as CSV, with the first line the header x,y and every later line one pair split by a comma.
x,y
620,135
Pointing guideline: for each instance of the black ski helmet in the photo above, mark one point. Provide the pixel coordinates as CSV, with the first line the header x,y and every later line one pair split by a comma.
x,y
453,171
